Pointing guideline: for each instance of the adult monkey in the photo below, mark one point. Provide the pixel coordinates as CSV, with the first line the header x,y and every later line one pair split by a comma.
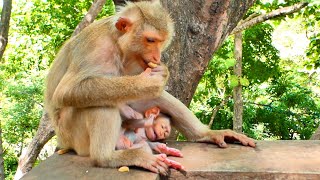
x,y
101,69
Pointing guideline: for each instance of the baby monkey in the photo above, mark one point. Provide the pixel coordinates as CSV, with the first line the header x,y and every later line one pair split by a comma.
x,y
156,126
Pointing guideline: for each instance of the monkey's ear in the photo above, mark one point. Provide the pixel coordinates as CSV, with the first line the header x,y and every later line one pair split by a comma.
x,y
123,24
153,111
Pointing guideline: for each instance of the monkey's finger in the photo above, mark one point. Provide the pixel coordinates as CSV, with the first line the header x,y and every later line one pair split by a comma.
x,y
152,168
246,141
137,115
219,140
158,68
162,167
174,164
174,152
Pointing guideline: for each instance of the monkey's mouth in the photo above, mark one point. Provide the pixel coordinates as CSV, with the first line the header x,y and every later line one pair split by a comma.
x,y
151,134
145,63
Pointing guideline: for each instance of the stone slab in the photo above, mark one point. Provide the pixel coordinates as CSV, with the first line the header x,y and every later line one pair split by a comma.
x,y
269,160
72,167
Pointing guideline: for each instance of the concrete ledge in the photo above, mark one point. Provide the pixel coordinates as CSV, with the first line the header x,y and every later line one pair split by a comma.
x,y
269,160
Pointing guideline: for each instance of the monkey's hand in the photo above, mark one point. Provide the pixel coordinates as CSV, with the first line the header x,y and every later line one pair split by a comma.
x,y
149,121
174,164
161,71
160,164
128,113
146,72
220,136
163,148
160,74
123,143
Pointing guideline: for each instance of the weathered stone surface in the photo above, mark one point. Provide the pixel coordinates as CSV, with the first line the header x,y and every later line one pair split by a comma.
x,y
269,160
69,167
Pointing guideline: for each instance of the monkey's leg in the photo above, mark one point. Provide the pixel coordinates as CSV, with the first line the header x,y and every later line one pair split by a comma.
x,y
104,128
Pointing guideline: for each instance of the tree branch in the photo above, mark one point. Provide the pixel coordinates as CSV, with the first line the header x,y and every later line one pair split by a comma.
x,y
90,16
216,109
273,14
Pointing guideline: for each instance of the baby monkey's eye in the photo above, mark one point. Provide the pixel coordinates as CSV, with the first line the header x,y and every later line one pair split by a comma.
x,y
150,40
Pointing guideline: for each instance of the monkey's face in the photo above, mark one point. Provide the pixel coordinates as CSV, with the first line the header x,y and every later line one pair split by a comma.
x,y
147,48
160,130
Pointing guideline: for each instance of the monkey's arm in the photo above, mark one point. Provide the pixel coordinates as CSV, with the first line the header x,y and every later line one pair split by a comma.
x,y
133,123
190,126
84,89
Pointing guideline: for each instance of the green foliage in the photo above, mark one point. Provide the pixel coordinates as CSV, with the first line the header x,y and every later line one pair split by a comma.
x,y
281,95
312,17
37,30
260,57
10,163
23,109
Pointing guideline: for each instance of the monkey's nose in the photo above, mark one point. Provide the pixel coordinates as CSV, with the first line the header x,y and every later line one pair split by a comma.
x,y
156,58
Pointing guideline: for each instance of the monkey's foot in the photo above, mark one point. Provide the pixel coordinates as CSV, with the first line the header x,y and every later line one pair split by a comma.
x,y
163,148
155,163
174,164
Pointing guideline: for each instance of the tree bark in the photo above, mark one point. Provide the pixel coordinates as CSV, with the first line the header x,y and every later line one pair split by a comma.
x,y
45,131
201,26
237,91
4,26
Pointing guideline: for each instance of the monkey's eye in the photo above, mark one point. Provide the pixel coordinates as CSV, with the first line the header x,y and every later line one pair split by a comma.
x,y
150,40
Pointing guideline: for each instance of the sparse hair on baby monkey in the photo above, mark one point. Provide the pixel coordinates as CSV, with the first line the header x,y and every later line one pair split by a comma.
x,y
98,70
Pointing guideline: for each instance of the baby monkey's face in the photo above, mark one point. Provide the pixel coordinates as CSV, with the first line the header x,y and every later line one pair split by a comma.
x,y
160,129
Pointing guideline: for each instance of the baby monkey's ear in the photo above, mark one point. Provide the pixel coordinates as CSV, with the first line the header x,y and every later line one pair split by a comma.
x,y
152,111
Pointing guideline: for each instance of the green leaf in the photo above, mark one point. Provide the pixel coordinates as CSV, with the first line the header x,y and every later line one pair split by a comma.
x,y
233,81
309,67
244,81
230,62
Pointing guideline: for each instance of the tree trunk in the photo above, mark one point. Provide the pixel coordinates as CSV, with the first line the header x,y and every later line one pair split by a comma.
x,y
316,135
201,26
4,26
237,91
